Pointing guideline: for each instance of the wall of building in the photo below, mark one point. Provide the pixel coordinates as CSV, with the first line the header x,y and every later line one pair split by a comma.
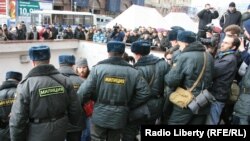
x,y
12,51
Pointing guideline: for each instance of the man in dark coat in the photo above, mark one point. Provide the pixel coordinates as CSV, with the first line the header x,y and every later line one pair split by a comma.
x,y
241,114
82,69
20,32
66,63
68,33
206,16
225,68
172,37
46,101
79,33
7,95
162,42
116,87
153,69
232,16
33,35
185,72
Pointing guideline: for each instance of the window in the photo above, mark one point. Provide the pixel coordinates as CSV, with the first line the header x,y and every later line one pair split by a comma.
x,y
36,19
57,19
107,20
46,19
68,19
78,19
88,20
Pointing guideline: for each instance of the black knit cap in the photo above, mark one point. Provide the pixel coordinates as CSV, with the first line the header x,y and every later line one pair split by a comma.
x,y
232,4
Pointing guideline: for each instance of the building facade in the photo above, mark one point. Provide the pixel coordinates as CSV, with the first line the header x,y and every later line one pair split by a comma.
x,y
19,10
115,7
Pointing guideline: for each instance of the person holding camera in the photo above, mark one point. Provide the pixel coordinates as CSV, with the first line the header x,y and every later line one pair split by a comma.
x,y
206,15
117,34
20,34
212,39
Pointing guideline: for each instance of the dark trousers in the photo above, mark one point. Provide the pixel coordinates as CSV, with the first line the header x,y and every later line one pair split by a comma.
x,y
74,136
201,34
5,134
130,132
104,134
227,113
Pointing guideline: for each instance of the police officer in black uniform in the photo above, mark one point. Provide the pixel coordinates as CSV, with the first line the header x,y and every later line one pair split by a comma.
x,y
66,63
116,87
153,69
7,94
184,73
46,101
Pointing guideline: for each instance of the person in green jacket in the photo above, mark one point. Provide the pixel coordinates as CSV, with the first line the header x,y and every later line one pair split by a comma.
x,y
45,102
7,95
185,72
116,87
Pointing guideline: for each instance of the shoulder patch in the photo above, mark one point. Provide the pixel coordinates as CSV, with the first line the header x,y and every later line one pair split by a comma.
x,y
51,91
6,102
76,86
115,80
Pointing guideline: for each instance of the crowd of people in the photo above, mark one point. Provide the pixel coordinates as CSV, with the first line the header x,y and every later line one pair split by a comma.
x,y
158,39
119,94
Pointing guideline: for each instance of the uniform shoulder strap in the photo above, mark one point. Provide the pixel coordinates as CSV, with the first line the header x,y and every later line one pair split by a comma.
x,y
201,73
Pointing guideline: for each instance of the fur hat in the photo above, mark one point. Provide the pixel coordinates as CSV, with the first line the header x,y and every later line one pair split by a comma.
x,y
141,47
39,53
246,25
67,59
14,75
116,46
173,35
186,36
82,62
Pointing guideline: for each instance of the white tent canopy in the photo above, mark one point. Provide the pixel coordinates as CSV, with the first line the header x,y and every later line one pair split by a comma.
x,y
136,16
182,20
